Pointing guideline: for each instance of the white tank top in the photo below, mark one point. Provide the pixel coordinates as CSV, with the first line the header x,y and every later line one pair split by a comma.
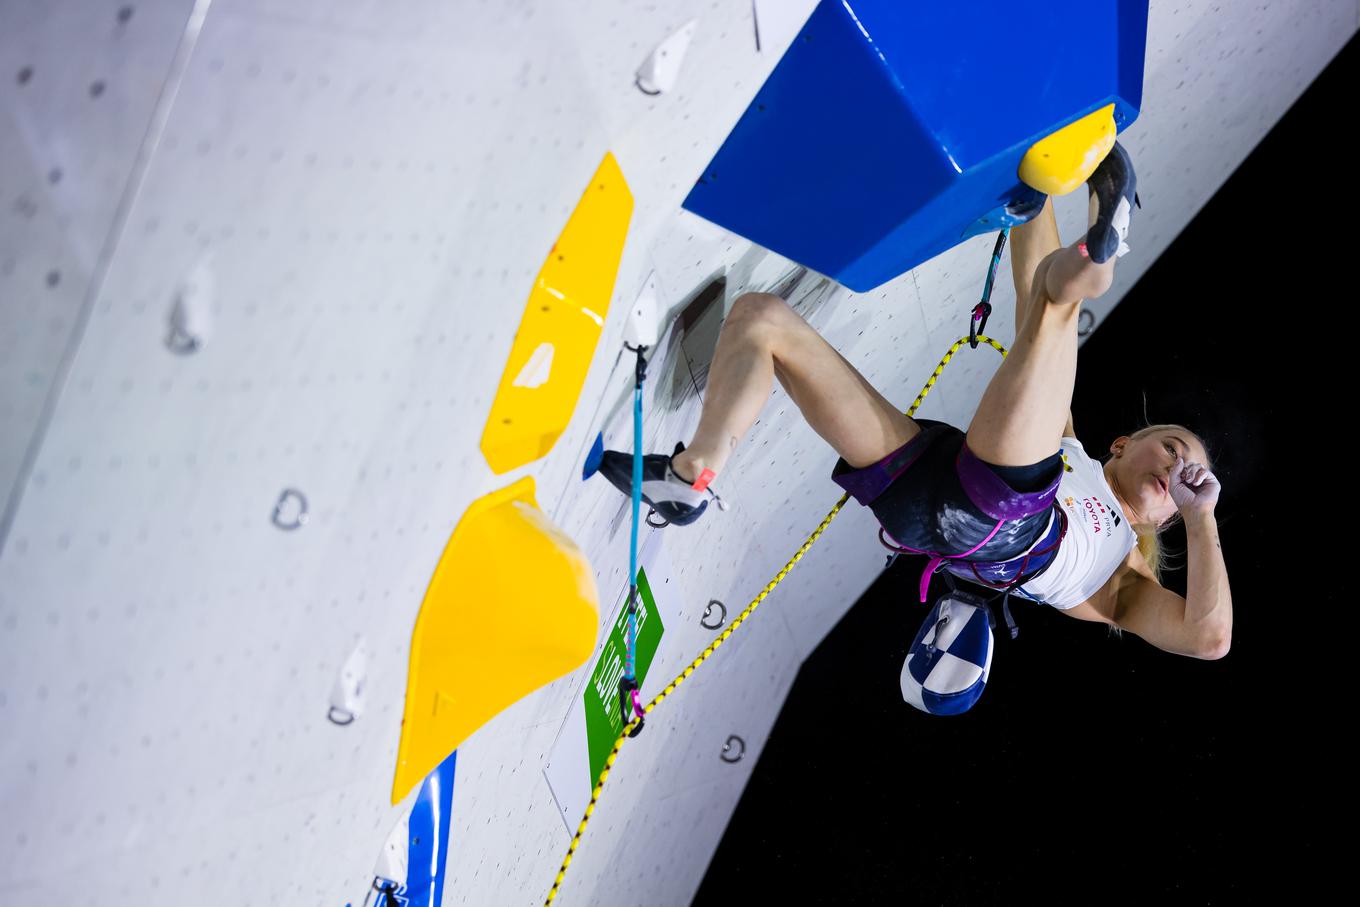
x,y
1099,536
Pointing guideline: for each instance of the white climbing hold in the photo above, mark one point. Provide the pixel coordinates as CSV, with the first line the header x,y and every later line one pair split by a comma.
x,y
660,70
191,318
644,318
393,862
347,696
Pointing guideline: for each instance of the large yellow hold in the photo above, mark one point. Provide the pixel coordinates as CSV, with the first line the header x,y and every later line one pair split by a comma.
x,y
560,326
512,607
1062,161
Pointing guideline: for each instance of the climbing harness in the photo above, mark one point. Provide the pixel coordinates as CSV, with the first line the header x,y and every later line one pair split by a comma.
x,y
977,322
1020,577
937,561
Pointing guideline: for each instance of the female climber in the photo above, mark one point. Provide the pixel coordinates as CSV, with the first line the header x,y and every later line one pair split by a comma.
x,y
996,506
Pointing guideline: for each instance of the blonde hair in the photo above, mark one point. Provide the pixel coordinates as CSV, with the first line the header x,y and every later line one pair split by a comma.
x,y
1149,541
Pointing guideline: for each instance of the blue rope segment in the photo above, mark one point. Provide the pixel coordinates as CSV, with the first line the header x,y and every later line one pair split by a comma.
x,y
633,536
996,261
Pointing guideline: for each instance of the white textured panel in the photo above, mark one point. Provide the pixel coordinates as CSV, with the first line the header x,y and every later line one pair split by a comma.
x,y
373,186
70,133
691,823
80,117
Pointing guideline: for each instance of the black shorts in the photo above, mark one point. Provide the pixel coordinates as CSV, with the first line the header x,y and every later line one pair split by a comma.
x,y
933,495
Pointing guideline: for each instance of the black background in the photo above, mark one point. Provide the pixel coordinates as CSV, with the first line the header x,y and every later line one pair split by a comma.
x,y
1099,769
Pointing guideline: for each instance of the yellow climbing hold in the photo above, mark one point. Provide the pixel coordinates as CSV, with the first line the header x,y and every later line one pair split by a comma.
x,y
512,606
1062,161
560,326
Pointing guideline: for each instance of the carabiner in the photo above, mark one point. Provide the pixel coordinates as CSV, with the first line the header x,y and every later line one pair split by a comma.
x,y
978,323
628,687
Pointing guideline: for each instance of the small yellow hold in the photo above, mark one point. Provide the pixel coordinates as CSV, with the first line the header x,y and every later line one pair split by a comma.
x,y
1062,161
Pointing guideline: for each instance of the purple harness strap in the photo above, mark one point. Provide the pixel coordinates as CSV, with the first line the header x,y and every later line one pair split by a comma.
x,y
990,493
936,559
987,490
868,483
1024,563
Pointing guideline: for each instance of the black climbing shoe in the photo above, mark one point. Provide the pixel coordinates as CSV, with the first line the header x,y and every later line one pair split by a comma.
x,y
1116,188
672,497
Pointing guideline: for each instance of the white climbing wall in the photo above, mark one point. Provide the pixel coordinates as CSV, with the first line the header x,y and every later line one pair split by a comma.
x,y
360,193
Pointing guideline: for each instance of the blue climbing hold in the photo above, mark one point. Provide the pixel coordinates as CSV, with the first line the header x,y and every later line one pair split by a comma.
x,y
594,458
943,101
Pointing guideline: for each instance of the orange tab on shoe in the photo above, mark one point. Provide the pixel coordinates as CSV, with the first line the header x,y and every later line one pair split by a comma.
x,y
701,483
